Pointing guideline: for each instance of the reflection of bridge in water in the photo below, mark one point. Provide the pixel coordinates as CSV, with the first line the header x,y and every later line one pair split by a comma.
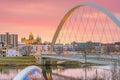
x,y
47,73
44,73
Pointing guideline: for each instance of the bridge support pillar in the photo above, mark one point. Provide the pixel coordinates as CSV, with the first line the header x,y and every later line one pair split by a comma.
x,y
39,59
45,61
48,61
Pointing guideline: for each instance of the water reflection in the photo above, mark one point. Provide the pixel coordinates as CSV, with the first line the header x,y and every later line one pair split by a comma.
x,y
47,72
63,73
8,73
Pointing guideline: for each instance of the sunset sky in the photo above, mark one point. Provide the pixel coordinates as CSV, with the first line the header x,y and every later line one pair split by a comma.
x,y
41,17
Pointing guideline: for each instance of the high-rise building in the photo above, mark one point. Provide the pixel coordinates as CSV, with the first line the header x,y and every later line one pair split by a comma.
x,y
2,38
15,44
9,39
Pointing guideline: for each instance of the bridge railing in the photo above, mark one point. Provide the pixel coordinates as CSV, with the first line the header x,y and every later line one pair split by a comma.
x,y
99,57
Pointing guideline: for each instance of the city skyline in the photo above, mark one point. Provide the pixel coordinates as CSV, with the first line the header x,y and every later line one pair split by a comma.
x,y
41,17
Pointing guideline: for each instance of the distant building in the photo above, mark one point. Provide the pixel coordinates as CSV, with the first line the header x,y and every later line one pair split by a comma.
x,y
58,48
10,40
87,46
68,47
1,44
31,40
4,50
21,44
12,52
32,49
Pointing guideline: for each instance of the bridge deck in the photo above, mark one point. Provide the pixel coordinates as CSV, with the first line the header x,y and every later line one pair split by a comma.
x,y
95,59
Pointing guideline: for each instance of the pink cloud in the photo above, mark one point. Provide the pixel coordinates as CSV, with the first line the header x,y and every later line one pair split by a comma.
x,y
41,16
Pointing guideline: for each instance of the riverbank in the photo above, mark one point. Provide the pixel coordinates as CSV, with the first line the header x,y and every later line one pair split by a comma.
x,y
31,60
18,61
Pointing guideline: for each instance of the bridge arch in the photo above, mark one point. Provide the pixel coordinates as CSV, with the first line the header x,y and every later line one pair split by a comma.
x,y
81,4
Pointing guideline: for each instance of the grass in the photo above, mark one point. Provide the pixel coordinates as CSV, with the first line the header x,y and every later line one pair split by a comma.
x,y
21,60
18,57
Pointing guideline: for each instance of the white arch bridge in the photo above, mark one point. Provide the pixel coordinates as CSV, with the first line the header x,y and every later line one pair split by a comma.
x,y
92,31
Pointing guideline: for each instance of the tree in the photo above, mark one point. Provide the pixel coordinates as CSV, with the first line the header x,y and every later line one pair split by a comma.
x,y
25,50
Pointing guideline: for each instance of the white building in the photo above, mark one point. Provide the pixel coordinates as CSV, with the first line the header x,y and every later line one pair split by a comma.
x,y
40,47
12,52
21,44
68,47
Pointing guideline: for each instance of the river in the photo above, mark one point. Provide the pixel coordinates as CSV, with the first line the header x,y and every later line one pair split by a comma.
x,y
64,73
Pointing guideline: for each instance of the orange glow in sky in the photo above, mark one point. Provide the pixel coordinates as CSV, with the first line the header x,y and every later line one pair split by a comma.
x,y
41,17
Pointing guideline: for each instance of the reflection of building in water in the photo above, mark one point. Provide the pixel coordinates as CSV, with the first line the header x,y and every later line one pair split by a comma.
x,y
8,74
34,75
89,74
67,74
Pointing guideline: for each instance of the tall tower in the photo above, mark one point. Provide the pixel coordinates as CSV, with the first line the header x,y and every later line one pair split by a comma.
x,y
9,39
15,44
2,38
12,40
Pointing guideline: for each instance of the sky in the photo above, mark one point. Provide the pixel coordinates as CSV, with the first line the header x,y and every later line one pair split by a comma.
x,y
41,17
